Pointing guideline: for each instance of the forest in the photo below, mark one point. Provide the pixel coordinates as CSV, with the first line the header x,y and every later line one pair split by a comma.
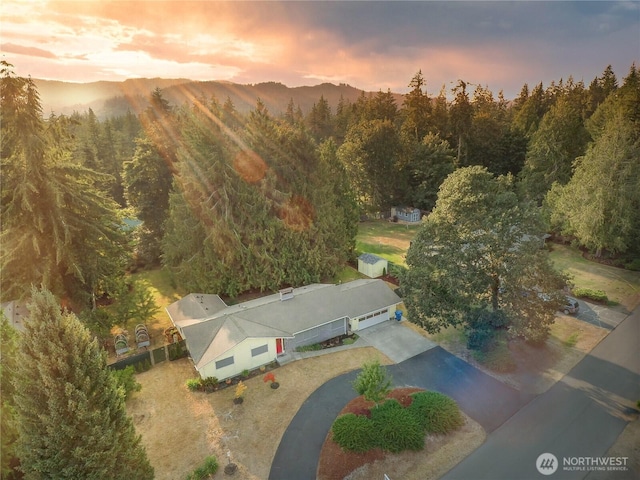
x,y
230,202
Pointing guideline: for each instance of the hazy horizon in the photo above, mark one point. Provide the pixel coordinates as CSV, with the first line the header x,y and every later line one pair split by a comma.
x,y
368,45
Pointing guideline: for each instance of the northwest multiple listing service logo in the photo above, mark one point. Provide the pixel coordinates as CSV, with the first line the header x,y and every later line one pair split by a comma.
x,y
548,463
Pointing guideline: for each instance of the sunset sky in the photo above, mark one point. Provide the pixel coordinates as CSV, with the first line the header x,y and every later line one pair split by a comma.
x,y
371,46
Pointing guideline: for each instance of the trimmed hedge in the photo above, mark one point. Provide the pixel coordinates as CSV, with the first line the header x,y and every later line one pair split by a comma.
x,y
354,433
395,428
435,412
591,294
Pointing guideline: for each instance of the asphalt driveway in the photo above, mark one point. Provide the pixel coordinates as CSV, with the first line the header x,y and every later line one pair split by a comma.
x,y
579,417
482,397
599,315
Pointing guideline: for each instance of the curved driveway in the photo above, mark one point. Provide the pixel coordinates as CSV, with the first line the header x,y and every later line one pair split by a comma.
x,y
480,396
580,416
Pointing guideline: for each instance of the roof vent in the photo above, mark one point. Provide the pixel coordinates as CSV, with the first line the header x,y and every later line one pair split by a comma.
x,y
286,294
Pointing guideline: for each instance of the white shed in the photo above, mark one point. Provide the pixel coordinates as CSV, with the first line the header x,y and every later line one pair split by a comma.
x,y
372,265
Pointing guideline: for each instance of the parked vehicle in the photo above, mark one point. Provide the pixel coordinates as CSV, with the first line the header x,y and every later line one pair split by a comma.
x,y
571,307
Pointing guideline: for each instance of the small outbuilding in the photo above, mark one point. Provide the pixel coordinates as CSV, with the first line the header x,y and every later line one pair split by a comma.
x,y
372,265
406,214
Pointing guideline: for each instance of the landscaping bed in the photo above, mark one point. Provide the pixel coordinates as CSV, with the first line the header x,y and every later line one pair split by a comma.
x,y
434,459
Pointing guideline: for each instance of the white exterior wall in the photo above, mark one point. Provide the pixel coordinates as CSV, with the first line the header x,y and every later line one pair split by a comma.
x,y
390,313
242,359
375,270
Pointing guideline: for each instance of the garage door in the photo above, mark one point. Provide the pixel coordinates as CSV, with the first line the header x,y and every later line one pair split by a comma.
x,y
373,319
317,334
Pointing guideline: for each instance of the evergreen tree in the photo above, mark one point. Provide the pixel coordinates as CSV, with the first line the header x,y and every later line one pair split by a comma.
x,y
427,164
320,120
461,114
558,141
148,181
370,154
71,415
529,111
417,109
8,428
600,206
59,230
440,116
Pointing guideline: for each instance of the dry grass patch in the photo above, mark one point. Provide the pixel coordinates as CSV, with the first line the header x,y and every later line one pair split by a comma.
x,y
180,428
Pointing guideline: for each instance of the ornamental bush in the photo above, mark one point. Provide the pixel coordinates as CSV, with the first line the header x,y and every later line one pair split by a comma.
x,y
209,467
435,412
354,433
396,428
591,294
126,380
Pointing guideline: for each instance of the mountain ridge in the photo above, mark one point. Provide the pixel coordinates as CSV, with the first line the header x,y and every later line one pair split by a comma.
x,y
113,98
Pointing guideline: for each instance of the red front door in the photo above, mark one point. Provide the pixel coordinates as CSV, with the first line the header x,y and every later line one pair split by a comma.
x,y
278,346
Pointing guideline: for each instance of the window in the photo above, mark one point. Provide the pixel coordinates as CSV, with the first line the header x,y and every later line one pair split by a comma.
x,y
225,362
259,350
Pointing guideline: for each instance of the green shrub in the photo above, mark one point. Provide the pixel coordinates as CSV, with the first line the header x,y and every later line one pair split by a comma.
x,y
350,340
245,373
633,265
209,467
354,433
591,294
210,382
126,380
373,382
396,428
435,412
309,348
572,340
194,384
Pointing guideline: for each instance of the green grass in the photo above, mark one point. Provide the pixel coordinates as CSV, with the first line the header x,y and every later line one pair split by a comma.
x,y
621,286
346,274
386,239
159,284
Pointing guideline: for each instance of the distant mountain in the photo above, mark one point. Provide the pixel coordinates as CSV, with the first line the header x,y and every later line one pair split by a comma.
x,y
109,99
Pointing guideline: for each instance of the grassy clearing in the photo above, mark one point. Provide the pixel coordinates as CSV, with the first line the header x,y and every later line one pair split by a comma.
x,y
158,282
347,274
385,239
621,286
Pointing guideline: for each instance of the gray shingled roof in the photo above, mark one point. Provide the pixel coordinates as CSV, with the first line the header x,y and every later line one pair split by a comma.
x,y
370,258
211,335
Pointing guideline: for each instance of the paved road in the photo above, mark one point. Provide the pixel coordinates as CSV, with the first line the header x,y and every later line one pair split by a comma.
x,y
580,416
482,397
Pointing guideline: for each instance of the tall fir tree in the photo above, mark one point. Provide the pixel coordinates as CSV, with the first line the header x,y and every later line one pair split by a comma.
x,y
71,415
58,229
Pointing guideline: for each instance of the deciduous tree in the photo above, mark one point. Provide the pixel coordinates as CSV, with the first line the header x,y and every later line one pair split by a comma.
x,y
481,249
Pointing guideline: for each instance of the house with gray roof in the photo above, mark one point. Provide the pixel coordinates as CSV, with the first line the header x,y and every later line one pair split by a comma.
x,y
223,340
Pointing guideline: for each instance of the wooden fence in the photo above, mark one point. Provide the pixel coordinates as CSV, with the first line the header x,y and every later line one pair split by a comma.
x,y
171,351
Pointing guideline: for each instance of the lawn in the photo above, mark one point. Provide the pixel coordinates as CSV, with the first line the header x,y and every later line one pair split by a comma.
x,y
386,239
622,286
